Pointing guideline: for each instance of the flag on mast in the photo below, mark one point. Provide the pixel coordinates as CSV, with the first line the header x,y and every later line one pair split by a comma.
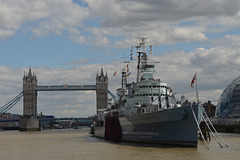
x,y
131,54
193,80
128,74
150,51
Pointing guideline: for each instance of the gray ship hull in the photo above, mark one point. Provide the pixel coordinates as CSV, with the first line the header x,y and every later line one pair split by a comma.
x,y
175,126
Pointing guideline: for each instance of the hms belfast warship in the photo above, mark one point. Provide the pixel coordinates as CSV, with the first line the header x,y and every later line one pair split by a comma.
x,y
147,111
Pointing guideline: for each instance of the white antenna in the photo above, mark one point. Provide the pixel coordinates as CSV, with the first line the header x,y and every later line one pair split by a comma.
x,y
141,31
124,57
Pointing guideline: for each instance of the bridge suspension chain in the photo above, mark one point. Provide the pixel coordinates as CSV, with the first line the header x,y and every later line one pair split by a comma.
x,y
11,103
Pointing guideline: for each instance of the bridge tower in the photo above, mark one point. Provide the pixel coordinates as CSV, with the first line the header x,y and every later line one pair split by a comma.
x,y
101,90
29,121
29,95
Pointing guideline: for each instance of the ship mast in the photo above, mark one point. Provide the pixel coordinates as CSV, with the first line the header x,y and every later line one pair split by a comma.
x,y
139,54
197,98
142,57
124,79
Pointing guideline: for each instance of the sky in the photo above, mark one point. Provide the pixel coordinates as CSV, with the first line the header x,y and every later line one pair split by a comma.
x,y
69,41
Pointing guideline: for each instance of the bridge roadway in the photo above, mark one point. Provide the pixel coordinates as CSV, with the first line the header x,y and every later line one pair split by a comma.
x,y
66,87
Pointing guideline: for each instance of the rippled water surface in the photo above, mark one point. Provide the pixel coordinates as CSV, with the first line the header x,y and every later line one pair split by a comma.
x,y
78,144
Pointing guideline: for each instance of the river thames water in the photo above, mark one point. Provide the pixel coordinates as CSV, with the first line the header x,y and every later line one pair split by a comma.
x,y
78,144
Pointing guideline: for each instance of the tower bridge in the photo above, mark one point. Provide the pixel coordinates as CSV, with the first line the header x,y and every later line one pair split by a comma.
x,y
29,121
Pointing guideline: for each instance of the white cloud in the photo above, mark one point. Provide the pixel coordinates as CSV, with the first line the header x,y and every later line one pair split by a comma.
x,y
122,12
216,68
63,15
6,33
41,17
161,20
76,36
80,61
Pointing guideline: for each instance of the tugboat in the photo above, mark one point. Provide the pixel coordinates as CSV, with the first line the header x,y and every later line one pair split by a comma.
x,y
147,110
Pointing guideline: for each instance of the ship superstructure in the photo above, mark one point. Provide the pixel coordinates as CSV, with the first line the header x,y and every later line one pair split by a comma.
x,y
147,93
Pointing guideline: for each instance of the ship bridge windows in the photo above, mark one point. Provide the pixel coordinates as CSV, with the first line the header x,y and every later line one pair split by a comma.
x,y
139,95
153,86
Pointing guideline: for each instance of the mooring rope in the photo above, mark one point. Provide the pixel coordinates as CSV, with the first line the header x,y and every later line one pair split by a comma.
x,y
214,128
211,131
199,127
